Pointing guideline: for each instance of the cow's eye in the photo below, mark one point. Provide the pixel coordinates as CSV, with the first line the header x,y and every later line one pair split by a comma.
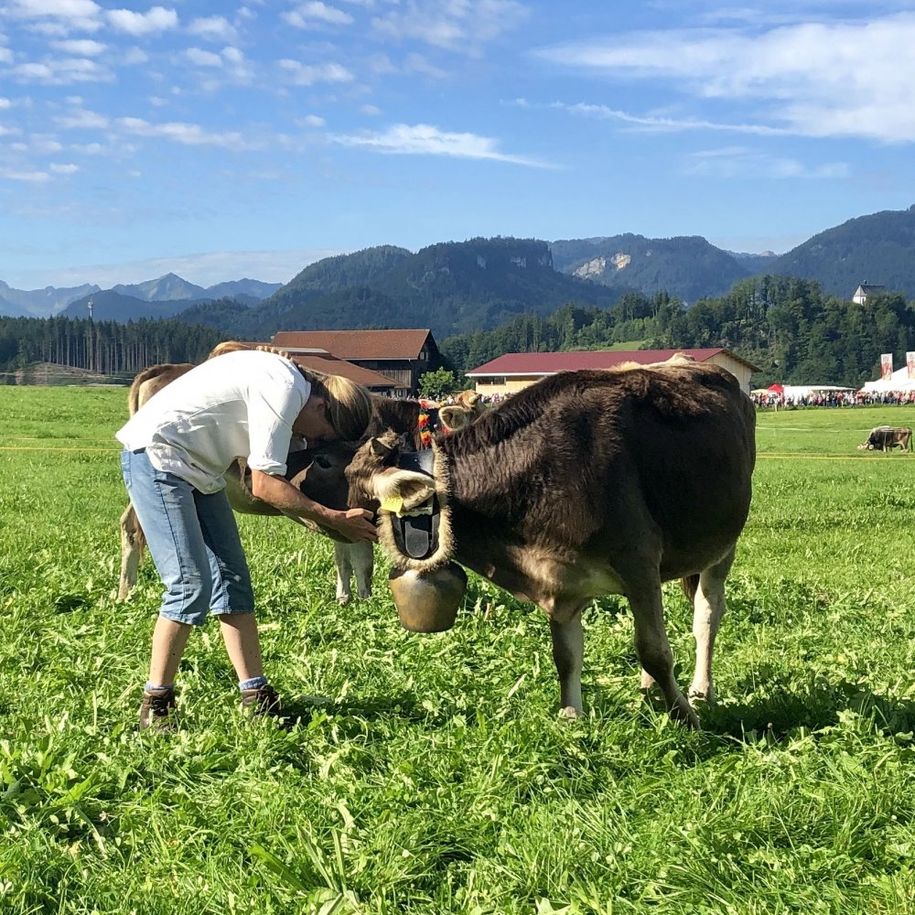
x,y
323,463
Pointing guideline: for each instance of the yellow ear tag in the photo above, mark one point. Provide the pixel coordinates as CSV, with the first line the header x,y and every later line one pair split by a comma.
x,y
392,504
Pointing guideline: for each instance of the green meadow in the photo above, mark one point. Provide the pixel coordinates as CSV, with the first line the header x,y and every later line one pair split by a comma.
x,y
430,774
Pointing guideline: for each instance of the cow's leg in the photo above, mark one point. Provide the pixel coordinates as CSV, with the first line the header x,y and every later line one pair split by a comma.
x,y
362,560
708,607
568,650
132,542
654,652
344,573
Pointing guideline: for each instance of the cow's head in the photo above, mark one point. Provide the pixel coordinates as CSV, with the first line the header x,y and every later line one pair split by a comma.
x,y
468,407
377,483
320,473
375,479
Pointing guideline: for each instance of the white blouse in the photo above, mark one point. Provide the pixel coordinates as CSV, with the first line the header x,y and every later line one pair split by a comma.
x,y
241,404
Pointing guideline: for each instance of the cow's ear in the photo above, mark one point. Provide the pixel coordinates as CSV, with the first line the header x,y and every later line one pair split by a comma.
x,y
380,448
405,488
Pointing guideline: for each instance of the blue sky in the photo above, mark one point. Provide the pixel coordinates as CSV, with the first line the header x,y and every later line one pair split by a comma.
x,y
222,140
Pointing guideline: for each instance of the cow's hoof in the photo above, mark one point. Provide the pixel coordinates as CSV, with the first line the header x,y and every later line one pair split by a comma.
x,y
699,697
343,599
569,713
684,714
365,595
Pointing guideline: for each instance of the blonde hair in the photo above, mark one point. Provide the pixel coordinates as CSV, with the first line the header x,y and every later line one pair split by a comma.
x,y
233,346
348,405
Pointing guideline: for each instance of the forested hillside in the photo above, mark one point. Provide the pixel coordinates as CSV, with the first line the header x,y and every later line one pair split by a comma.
x,y
449,287
686,267
790,328
879,248
104,347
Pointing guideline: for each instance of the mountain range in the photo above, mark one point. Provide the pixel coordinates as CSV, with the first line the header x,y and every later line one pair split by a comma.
x,y
478,284
162,297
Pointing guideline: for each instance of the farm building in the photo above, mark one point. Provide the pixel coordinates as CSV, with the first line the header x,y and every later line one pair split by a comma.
x,y
866,291
322,361
401,355
514,371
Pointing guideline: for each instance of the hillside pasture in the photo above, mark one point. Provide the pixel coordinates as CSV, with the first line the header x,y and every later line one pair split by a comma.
x,y
430,774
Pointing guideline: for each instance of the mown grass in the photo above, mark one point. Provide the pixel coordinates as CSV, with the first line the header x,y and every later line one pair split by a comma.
x,y
429,774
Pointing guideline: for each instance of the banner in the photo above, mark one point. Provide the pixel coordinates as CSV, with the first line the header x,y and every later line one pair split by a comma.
x,y
910,364
886,366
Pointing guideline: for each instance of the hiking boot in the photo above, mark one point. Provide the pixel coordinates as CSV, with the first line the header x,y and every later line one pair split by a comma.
x,y
158,710
264,700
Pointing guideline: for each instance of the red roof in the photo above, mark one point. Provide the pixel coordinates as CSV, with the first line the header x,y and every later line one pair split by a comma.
x,y
330,365
357,344
550,363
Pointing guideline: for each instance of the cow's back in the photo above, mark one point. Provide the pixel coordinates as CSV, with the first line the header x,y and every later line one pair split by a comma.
x,y
150,381
588,460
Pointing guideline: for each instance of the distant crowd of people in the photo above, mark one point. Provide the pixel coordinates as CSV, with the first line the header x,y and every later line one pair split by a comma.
x,y
775,401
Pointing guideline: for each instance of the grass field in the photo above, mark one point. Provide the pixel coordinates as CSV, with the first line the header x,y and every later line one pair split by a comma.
x,y
429,774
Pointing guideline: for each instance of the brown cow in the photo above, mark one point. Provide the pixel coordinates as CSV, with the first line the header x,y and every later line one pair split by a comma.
x,y
589,483
886,438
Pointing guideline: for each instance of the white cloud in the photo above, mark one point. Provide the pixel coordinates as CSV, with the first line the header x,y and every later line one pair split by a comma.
x,y
61,72
84,47
308,74
742,162
426,140
203,58
5,103
64,168
64,9
307,15
134,56
459,25
6,55
80,14
370,110
653,123
213,28
186,134
237,65
157,19
81,119
838,79
417,63
28,176
313,120
43,144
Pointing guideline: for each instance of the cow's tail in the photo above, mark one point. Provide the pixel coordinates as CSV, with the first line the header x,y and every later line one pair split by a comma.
x,y
910,439
690,585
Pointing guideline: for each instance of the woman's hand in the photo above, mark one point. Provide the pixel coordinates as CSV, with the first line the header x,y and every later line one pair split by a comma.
x,y
356,524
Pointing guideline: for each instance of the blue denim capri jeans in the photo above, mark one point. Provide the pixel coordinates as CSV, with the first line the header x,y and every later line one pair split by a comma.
x,y
193,540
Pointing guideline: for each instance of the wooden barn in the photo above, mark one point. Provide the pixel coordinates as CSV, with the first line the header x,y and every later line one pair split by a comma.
x,y
402,355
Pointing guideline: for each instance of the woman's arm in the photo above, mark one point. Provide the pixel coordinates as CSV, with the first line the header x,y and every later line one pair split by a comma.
x,y
354,524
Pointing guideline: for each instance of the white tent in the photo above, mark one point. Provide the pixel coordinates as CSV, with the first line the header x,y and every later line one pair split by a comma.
x,y
898,381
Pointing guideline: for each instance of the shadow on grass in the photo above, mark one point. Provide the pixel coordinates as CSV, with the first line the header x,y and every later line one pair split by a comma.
x,y
814,706
784,710
403,707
